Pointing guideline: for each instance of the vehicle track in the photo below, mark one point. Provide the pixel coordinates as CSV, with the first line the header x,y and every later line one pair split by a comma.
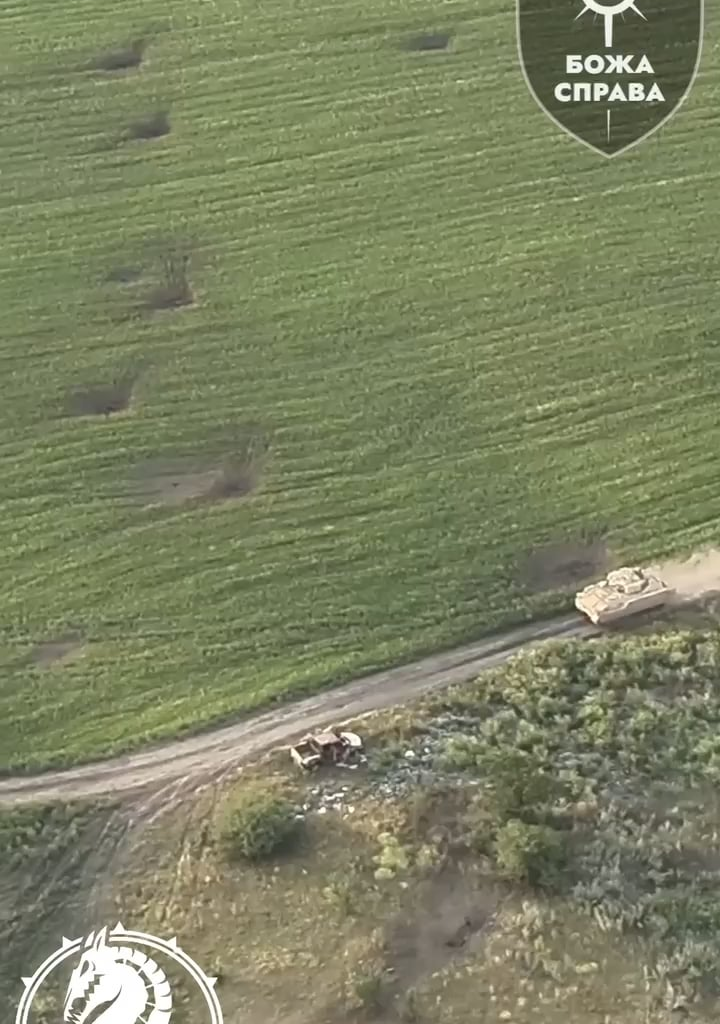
x,y
215,752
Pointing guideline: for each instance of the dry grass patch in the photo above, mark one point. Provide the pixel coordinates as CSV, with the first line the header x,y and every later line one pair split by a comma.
x,y
59,651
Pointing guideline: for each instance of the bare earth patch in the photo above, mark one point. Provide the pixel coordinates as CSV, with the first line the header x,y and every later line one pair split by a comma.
x,y
451,913
564,564
58,651
103,399
178,482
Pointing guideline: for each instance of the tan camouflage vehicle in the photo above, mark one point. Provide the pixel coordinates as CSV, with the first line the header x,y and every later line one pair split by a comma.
x,y
623,592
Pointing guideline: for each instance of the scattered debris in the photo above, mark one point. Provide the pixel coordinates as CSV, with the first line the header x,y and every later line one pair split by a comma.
x,y
394,777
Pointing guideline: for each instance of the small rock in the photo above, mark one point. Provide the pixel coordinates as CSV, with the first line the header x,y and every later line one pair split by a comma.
x,y
322,810
410,755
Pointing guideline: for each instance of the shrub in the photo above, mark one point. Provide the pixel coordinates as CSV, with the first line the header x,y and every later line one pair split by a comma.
x,y
460,753
257,823
341,893
369,990
479,828
529,853
393,857
366,982
520,785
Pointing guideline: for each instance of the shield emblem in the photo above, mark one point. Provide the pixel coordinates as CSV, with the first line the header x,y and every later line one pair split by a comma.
x,y
610,72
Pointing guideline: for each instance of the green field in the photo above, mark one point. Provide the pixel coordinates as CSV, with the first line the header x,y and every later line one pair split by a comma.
x,y
452,333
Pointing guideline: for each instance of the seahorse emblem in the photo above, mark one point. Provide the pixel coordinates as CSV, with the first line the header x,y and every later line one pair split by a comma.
x,y
116,981
116,985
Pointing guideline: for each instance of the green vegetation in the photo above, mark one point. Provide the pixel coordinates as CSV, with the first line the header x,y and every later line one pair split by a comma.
x,y
609,756
565,867
257,822
445,333
560,861
46,831
51,859
528,853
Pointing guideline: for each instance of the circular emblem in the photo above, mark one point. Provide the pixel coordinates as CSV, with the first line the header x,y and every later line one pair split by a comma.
x,y
116,978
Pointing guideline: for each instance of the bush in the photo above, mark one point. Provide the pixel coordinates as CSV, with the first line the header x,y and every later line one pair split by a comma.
x,y
520,785
393,857
479,828
257,823
529,853
369,991
366,983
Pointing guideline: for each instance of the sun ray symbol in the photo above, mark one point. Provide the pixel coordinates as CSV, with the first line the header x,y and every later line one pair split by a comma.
x,y
609,13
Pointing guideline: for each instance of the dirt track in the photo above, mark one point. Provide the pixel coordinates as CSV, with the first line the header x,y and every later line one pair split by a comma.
x,y
189,762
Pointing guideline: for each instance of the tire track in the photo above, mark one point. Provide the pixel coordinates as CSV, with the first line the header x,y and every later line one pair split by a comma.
x,y
175,766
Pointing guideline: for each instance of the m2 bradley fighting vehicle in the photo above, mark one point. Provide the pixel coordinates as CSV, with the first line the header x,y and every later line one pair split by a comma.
x,y
623,592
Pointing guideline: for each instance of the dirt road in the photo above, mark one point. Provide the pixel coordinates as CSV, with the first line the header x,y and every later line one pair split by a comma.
x,y
181,763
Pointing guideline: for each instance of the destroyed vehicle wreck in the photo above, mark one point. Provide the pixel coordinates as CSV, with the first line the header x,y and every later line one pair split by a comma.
x,y
342,749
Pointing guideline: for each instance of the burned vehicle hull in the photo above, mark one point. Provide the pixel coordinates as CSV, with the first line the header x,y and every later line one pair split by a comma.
x,y
338,748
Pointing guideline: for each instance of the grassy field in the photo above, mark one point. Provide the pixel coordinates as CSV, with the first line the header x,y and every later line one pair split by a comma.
x,y
428,330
